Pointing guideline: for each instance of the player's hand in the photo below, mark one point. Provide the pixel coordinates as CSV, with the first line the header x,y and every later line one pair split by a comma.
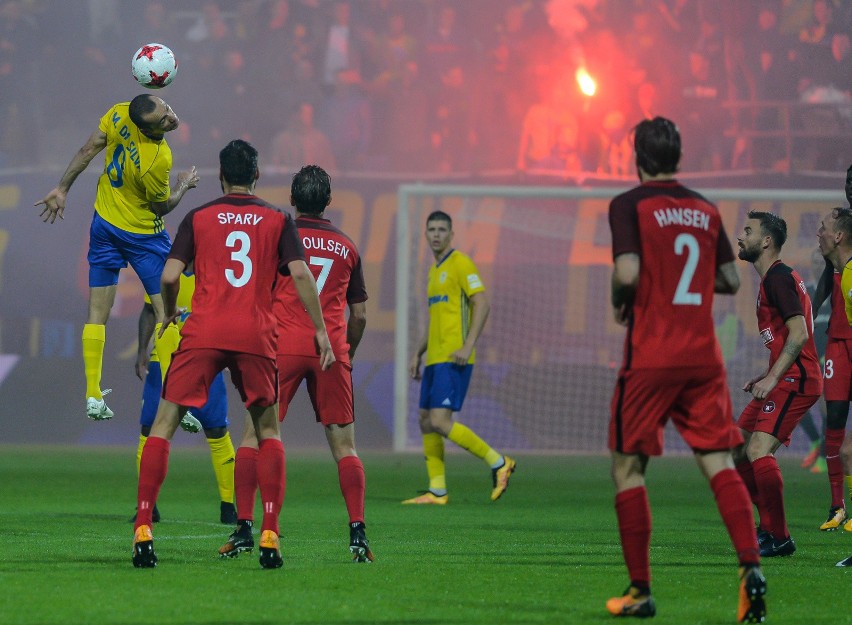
x,y
189,179
761,389
168,319
142,364
414,368
461,356
748,385
54,206
621,315
325,352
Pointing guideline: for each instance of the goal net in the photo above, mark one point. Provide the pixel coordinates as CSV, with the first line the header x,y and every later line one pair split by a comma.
x,y
548,358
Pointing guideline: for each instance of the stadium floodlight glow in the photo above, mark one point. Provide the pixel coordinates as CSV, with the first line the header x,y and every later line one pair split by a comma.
x,y
585,81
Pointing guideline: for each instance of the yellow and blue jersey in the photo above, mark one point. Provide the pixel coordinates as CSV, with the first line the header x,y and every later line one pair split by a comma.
x,y
452,282
846,288
184,300
136,172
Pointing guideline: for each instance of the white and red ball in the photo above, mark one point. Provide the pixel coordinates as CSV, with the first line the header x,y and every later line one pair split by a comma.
x,y
154,66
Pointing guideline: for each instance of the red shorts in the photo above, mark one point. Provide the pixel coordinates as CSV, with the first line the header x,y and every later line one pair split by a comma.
x,y
778,414
837,378
330,391
192,371
696,399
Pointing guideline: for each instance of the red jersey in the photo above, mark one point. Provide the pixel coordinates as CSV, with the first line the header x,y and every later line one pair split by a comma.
x,y
783,295
838,324
238,244
336,265
680,240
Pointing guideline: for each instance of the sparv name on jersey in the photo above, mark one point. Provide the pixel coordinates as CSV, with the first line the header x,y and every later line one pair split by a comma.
x,y
250,219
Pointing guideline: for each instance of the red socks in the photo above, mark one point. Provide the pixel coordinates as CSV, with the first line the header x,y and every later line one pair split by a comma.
x,y
746,472
270,478
770,500
734,505
833,441
153,467
245,482
350,472
634,524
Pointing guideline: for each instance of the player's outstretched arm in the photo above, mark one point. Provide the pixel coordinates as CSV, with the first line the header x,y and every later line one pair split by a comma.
x,y
306,288
54,202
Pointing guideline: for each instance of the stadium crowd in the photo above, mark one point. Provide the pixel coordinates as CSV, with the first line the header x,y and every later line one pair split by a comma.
x,y
445,87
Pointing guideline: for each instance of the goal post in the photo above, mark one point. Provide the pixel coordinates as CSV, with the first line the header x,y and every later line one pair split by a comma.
x,y
550,351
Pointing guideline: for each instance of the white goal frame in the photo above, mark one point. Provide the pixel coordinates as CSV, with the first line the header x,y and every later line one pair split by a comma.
x,y
408,192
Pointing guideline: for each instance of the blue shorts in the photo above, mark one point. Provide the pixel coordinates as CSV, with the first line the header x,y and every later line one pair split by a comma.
x,y
444,385
214,414
111,249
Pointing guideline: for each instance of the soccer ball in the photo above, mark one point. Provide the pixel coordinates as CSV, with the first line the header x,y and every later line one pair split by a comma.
x,y
154,66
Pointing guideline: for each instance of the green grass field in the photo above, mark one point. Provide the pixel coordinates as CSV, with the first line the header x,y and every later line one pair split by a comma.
x,y
547,552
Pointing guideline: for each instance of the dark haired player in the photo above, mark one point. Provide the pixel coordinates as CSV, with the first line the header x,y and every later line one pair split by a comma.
x,y
835,244
237,244
127,227
790,385
336,265
671,254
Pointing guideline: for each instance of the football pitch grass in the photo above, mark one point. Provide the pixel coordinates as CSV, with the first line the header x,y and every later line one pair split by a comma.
x,y
547,552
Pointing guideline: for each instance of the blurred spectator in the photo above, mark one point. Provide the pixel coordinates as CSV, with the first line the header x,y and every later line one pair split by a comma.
x,y
703,118
157,25
615,149
827,87
772,58
550,136
286,64
301,143
248,25
502,90
341,50
452,131
392,51
346,119
210,29
443,47
403,145
18,49
818,30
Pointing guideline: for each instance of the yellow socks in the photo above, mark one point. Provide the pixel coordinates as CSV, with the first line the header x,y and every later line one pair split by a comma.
x,y
222,455
433,449
467,439
94,337
142,439
166,346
